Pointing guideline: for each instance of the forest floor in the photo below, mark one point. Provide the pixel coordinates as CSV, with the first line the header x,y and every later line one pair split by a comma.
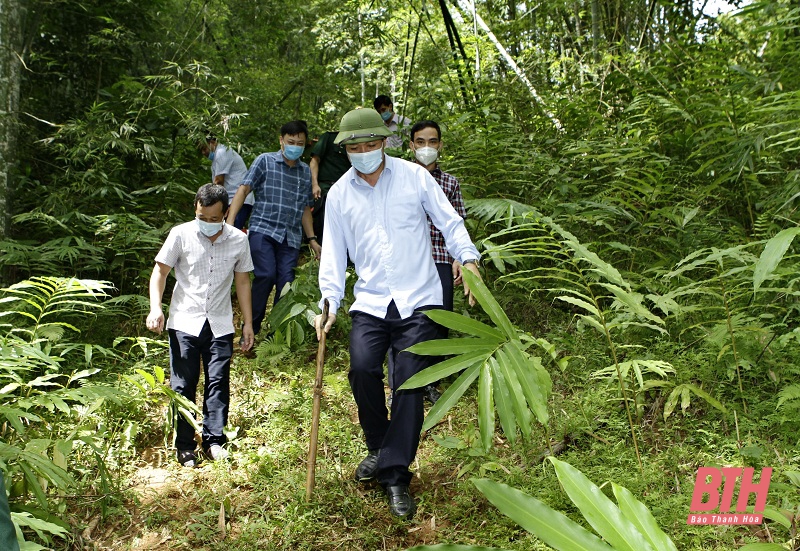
x,y
256,498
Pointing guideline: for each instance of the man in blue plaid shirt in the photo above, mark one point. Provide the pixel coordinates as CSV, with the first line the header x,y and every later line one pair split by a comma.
x,y
281,183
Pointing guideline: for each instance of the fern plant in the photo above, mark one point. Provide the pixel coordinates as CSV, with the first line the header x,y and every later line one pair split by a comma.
x,y
47,379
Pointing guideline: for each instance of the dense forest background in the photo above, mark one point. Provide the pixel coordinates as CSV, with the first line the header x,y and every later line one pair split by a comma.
x,y
632,179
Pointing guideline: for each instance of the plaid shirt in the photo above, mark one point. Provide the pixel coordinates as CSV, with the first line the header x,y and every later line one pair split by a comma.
x,y
452,190
282,193
203,274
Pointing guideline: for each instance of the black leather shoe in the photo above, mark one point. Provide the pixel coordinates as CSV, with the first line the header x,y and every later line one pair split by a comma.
x,y
401,504
432,394
365,472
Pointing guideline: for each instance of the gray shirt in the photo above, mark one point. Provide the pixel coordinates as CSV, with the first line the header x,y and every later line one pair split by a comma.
x,y
231,165
203,274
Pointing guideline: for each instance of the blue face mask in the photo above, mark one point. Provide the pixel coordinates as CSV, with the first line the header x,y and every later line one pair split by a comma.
x,y
209,229
211,156
386,115
292,152
366,163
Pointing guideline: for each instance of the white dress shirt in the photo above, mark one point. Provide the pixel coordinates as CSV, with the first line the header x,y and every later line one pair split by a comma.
x,y
385,231
203,273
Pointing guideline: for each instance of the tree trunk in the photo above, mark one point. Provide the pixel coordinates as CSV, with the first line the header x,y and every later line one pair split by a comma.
x,y
595,31
10,50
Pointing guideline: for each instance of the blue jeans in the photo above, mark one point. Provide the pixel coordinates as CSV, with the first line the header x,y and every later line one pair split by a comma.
x,y
273,264
185,353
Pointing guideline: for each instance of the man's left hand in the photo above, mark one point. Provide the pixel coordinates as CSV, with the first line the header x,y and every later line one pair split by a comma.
x,y
248,337
317,248
472,267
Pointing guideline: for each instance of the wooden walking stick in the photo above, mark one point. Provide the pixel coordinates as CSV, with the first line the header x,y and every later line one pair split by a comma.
x,y
312,447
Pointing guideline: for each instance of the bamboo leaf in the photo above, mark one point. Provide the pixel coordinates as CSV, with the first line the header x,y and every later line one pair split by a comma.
x,y
581,303
450,396
552,527
772,255
443,369
534,380
489,304
598,510
517,395
502,400
486,406
446,347
463,324
641,517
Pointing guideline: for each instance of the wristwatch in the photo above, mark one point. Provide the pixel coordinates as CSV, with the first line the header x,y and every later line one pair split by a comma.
x,y
472,261
311,238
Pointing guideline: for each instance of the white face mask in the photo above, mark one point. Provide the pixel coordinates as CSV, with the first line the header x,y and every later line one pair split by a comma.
x,y
209,229
426,155
366,163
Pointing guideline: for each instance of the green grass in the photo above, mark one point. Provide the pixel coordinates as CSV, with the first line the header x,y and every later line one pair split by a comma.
x,y
262,487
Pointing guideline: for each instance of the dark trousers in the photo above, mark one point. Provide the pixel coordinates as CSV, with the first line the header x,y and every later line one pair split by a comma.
x,y
274,264
370,339
446,276
242,216
185,353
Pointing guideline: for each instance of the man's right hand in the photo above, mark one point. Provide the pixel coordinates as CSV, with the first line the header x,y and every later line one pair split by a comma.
x,y
318,324
155,321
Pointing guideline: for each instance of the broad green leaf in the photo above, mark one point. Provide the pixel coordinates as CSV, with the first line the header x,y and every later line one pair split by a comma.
x,y
672,401
550,526
772,255
443,369
450,442
534,380
706,396
463,324
502,400
776,515
794,477
641,517
41,527
594,323
598,510
450,396
518,401
489,304
445,347
486,405
581,303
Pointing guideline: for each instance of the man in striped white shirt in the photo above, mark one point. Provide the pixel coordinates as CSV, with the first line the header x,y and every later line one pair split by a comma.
x,y
207,255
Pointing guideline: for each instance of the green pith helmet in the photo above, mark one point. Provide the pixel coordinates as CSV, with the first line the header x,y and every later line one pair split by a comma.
x,y
361,125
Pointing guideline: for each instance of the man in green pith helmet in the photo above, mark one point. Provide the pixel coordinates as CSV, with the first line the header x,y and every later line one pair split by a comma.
x,y
377,213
